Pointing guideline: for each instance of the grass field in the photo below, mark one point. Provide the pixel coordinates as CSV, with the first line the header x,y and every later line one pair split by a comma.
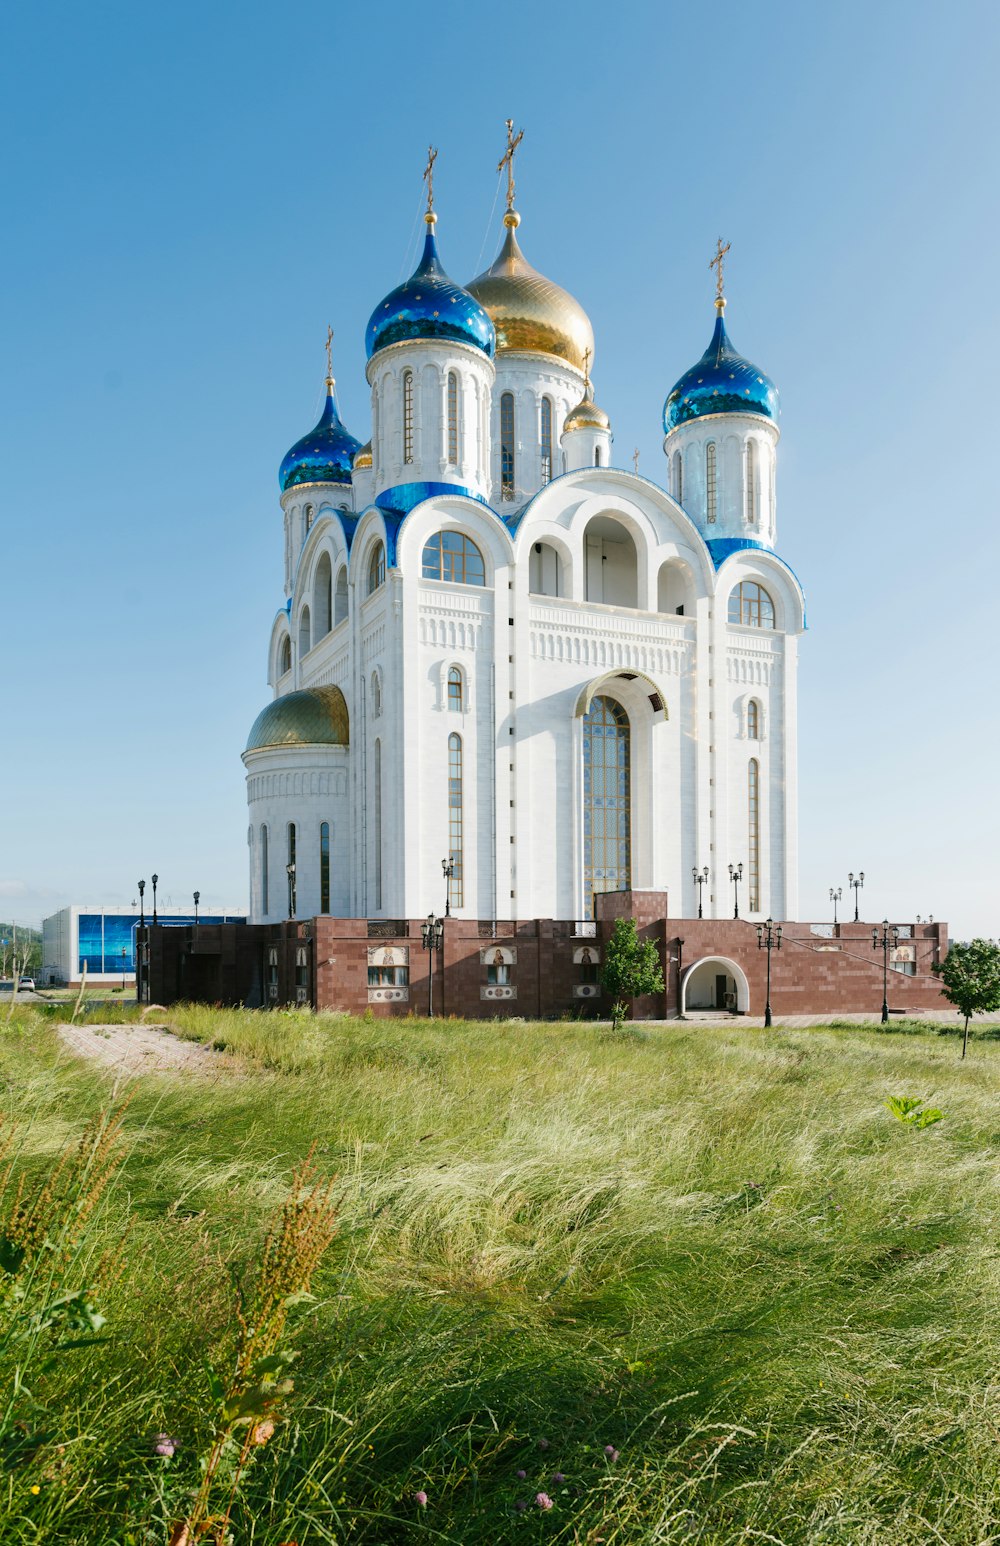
x,y
713,1252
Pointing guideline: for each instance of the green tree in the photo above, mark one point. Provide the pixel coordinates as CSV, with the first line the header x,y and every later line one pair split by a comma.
x,y
971,976
631,967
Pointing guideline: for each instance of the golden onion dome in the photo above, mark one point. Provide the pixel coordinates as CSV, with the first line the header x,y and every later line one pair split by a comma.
x,y
363,457
313,716
586,415
529,312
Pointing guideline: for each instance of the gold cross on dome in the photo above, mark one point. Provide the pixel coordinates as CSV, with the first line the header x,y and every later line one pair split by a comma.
x,y
587,355
428,177
329,350
716,263
507,159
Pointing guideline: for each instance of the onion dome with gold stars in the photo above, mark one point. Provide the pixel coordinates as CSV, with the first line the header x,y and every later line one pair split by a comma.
x,y
326,454
721,382
430,306
531,314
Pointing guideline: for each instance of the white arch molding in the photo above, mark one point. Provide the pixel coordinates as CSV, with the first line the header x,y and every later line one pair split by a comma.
x,y
736,972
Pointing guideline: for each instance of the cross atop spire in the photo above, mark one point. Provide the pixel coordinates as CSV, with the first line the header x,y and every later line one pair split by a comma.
x,y
428,178
587,357
329,353
507,160
716,263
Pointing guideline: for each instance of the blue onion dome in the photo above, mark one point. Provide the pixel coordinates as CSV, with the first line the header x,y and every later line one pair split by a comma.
x,y
430,306
326,454
721,382
313,716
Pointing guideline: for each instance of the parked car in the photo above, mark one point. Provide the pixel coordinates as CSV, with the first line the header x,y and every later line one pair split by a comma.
x,y
26,985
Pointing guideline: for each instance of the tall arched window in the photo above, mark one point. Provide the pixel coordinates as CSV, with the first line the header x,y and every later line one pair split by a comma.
x,y
305,633
340,598
263,871
753,834
323,596
678,478
455,689
451,555
507,446
607,801
597,456
546,439
376,695
377,802
753,720
290,870
407,416
453,418
751,480
456,885
309,513
324,866
376,568
750,604
285,655
711,490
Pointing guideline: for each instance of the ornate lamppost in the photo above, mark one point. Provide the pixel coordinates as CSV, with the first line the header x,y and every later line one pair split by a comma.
x,y
124,956
290,872
699,877
155,882
448,869
885,941
432,934
855,882
142,904
768,938
835,896
736,875
197,899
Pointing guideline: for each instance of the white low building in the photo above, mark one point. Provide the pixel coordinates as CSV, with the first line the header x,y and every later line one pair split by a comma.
x,y
102,940
499,649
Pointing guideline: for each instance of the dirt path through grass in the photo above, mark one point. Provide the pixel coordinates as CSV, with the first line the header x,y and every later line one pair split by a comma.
x,y
142,1049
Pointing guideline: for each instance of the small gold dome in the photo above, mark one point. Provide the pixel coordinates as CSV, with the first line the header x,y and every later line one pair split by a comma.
x,y
363,458
529,312
314,716
586,415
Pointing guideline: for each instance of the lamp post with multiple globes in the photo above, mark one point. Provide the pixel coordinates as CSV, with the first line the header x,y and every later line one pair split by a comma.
x,y
432,934
768,938
736,875
448,870
885,941
700,877
855,882
835,896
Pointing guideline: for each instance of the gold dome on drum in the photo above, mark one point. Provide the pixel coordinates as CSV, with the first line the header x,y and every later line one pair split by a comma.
x,y
363,458
529,312
313,716
586,415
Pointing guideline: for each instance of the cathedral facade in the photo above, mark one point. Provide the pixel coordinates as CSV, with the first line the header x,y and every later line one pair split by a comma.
x,y
508,672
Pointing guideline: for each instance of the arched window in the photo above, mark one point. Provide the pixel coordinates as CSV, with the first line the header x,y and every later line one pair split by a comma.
x,y
376,568
753,720
324,866
546,439
678,478
607,801
305,633
750,604
285,655
453,418
710,481
597,456
451,555
753,834
263,871
323,596
376,696
507,446
340,598
407,416
309,513
455,689
377,802
290,869
456,885
751,481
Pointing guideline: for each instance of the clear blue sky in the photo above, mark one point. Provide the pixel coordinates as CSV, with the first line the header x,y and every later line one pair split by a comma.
x,y
192,191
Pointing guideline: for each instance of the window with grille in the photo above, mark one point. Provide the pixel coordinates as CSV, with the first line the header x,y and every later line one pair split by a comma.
x,y
407,416
751,605
546,439
456,885
453,418
753,834
753,720
451,555
324,866
455,689
710,481
507,446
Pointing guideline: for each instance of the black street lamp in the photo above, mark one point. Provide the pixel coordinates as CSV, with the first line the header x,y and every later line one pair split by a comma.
x,y
432,933
835,897
736,875
290,872
855,882
155,881
448,868
124,954
142,904
768,938
700,877
886,940
197,899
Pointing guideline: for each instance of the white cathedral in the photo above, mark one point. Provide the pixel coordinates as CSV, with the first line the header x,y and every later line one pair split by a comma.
x,y
503,653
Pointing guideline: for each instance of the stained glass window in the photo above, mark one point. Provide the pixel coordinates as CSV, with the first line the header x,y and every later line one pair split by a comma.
x,y
607,801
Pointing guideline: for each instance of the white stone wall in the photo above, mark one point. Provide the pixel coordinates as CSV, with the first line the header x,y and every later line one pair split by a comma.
x,y
735,515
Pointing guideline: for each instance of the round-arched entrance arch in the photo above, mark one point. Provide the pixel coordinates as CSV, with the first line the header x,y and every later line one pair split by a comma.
x,y
715,983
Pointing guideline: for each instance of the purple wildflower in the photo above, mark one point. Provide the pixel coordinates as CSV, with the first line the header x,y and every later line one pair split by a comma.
x,y
163,1444
543,1500
521,1475
558,1478
420,1498
543,1443
611,1452
520,1505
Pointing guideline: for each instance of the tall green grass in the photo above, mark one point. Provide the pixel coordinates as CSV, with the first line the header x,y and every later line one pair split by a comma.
x,y
713,1250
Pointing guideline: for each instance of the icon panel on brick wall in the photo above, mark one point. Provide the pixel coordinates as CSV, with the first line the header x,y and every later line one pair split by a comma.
x,y
497,990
